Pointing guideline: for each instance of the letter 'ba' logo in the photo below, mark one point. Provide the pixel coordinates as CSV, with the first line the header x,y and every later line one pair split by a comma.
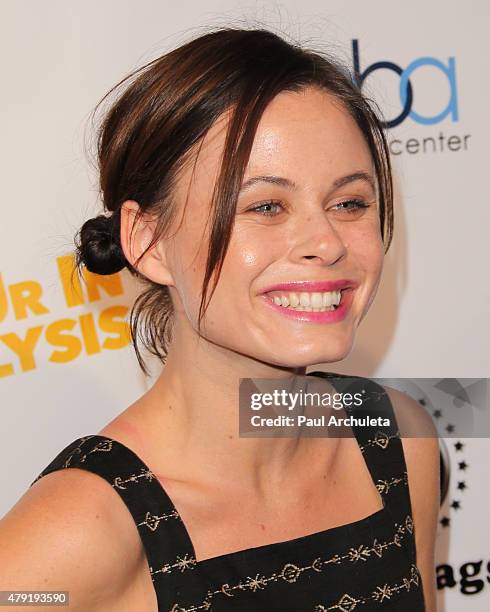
x,y
406,89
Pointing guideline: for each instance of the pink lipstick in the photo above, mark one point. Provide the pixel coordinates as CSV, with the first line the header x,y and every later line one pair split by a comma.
x,y
319,286
346,287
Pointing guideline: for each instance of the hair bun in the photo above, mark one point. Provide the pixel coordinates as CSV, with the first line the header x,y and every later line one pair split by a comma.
x,y
99,245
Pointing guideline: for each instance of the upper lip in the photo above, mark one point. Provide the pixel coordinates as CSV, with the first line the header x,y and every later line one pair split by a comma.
x,y
319,285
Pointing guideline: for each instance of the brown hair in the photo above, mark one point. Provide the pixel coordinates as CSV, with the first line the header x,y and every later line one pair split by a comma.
x,y
167,107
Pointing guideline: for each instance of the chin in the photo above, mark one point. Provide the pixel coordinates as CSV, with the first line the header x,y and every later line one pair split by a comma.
x,y
335,352
313,356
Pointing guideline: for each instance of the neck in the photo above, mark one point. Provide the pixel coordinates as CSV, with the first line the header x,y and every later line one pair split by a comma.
x,y
192,409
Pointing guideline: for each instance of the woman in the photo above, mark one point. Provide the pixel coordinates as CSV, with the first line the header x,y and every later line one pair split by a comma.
x,y
245,160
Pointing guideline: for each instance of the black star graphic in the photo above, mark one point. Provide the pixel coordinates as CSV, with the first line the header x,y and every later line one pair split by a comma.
x,y
458,446
445,521
422,401
462,465
450,428
455,504
437,414
461,485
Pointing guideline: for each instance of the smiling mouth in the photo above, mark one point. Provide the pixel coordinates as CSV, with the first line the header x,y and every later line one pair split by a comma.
x,y
307,301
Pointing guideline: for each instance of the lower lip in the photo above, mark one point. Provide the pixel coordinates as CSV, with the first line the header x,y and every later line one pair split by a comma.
x,y
329,316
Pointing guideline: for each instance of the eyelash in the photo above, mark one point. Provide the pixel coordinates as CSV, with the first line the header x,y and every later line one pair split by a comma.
x,y
360,205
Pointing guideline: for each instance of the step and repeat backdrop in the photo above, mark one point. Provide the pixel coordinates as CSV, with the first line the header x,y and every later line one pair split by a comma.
x,y
66,364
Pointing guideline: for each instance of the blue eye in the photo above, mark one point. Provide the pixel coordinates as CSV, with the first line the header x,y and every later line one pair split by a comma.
x,y
348,206
270,203
358,205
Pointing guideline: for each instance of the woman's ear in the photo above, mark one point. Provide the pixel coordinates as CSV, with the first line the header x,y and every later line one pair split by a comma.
x,y
137,232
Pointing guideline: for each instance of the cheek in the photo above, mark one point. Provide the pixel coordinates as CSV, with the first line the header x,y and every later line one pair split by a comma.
x,y
369,257
246,254
244,260
365,245
373,254
366,249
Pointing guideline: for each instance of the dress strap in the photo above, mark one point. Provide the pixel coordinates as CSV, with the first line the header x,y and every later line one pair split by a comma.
x,y
163,534
380,444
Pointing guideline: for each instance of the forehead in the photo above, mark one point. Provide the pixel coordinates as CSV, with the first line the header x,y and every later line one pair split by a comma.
x,y
311,134
306,136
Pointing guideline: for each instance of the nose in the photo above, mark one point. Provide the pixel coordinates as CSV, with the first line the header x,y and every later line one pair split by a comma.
x,y
317,239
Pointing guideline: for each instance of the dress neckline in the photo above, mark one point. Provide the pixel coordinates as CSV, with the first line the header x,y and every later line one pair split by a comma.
x,y
284,545
321,536
271,547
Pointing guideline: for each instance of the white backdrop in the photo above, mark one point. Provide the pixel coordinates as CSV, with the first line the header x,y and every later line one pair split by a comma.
x,y
58,350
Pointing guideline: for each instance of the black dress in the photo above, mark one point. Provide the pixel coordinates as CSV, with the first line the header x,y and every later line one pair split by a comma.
x,y
367,565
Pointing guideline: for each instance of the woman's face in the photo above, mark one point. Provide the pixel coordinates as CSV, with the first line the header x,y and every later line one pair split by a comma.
x,y
315,231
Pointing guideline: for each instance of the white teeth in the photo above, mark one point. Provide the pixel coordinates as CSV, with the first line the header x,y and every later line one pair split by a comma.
x,y
304,301
317,300
328,299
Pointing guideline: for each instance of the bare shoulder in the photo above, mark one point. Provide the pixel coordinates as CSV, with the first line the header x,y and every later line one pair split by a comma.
x,y
421,449
69,531
413,419
422,457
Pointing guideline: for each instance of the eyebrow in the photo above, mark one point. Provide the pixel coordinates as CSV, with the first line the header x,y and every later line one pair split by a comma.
x,y
284,182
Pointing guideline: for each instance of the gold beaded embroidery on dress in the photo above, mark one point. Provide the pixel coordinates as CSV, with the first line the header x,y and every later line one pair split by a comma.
x,y
368,565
